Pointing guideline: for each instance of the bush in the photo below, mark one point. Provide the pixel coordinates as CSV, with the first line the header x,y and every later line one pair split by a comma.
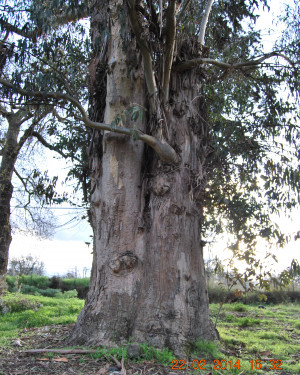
x,y
248,322
49,292
11,283
217,294
28,289
239,307
67,294
81,285
17,304
40,282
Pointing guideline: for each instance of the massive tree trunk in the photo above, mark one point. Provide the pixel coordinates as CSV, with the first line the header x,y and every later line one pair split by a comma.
x,y
148,279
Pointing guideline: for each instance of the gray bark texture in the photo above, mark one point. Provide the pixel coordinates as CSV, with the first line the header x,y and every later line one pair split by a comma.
x,y
148,278
8,161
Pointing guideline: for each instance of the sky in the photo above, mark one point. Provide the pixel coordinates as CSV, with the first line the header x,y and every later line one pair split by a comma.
x,y
67,250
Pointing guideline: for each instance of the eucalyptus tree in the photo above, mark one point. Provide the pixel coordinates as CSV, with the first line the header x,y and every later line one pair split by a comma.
x,y
43,60
190,134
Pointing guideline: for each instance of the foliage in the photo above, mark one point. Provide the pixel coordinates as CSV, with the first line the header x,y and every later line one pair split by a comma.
x,y
49,287
41,54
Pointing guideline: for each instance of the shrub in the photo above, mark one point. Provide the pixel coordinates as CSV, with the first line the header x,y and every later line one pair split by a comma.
x,y
11,283
81,285
17,304
230,318
248,322
239,307
67,294
40,282
49,292
28,289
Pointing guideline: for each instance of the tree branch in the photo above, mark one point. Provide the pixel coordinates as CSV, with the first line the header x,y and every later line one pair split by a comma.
x,y
204,21
164,150
43,141
25,33
182,11
190,64
4,112
28,132
60,19
145,51
169,51
60,351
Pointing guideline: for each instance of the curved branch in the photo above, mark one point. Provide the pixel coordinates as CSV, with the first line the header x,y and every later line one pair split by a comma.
x,y
190,64
164,150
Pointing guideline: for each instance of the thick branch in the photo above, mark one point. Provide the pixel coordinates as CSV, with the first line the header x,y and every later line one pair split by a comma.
x,y
190,64
204,21
145,51
164,150
169,51
4,112
30,34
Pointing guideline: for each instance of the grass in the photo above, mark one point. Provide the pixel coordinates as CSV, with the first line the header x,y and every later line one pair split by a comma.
x,y
260,333
246,333
29,311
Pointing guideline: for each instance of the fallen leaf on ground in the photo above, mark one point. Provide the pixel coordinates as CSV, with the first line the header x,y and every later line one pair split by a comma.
x,y
63,359
103,370
43,359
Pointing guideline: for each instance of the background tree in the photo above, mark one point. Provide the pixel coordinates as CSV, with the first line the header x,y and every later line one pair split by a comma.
x,y
38,63
212,123
26,265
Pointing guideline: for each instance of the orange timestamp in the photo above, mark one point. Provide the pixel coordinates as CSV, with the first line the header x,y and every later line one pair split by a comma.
x,y
223,364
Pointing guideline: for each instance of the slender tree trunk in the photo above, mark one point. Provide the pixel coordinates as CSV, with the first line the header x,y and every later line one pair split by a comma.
x,y
147,280
8,161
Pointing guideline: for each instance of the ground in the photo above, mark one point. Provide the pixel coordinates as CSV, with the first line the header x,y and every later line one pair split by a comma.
x,y
247,333
15,362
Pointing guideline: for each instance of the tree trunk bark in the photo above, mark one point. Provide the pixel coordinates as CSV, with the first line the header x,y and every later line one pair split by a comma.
x,y
148,278
8,161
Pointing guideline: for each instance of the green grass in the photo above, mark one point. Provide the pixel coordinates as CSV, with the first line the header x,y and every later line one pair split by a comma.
x,y
273,330
35,311
244,329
